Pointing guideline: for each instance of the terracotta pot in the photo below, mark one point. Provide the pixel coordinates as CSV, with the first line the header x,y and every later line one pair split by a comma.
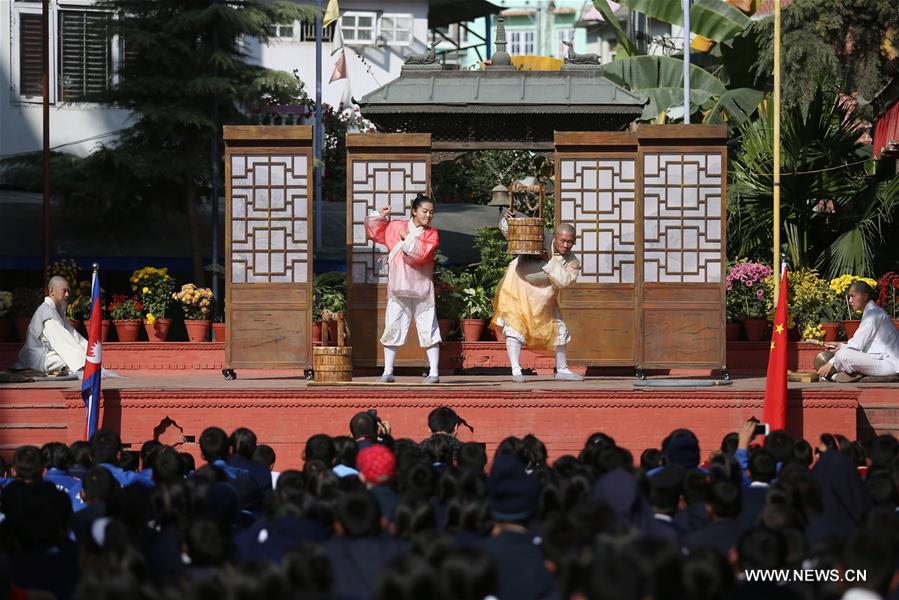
x,y
733,331
445,326
498,332
104,329
159,330
197,329
850,327
220,332
831,331
21,324
755,329
5,328
896,323
316,333
127,330
472,329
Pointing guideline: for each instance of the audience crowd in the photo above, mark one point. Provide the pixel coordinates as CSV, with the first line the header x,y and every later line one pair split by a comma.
x,y
375,515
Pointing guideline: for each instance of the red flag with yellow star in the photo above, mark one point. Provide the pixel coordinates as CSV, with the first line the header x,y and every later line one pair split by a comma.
x,y
776,385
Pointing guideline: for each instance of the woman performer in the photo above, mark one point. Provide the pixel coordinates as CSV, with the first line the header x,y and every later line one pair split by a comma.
x,y
410,287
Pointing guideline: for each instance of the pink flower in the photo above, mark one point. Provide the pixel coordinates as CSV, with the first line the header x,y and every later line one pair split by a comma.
x,y
759,293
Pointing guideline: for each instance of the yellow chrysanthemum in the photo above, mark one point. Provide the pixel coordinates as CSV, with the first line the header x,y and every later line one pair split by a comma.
x,y
151,318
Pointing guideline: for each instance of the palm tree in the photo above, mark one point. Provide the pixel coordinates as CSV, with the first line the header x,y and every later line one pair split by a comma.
x,y
833,207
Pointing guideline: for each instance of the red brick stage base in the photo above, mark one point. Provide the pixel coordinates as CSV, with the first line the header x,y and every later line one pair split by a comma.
x,y
175,407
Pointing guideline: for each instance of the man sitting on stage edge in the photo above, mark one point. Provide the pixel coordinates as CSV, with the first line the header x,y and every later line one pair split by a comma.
x,y
526,306
874,348
52,346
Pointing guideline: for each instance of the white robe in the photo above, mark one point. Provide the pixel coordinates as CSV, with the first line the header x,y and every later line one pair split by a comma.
x,y
51,343
873,349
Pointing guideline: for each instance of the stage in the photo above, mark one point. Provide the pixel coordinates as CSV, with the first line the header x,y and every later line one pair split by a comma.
x,y
284,409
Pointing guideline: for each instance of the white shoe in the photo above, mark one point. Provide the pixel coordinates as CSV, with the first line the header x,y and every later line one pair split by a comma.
x,y
568,376
387,378
431,379
518,378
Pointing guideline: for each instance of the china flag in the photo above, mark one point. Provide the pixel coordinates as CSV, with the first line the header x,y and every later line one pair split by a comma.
x,y
776,385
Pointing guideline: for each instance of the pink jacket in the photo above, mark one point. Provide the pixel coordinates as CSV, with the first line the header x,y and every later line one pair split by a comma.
x,y
411,273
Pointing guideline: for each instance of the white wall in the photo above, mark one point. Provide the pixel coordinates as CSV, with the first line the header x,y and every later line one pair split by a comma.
x,y
369,67
21,121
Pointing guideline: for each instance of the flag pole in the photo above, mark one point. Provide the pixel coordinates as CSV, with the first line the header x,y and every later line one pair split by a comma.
x,y
686,6
318,134
776,219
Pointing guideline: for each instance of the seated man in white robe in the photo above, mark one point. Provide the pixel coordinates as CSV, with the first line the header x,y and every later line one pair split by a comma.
x,y
52,346
872,351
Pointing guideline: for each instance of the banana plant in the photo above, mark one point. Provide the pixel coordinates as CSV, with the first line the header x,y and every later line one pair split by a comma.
x,y
660,79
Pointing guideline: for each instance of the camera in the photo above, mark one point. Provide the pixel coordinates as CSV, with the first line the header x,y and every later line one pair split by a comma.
x,y
374,413
760,428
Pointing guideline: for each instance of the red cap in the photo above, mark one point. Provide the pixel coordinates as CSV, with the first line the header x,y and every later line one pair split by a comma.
x,y
377,464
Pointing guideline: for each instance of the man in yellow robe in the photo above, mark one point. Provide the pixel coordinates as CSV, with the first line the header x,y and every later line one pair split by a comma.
x,y
526,306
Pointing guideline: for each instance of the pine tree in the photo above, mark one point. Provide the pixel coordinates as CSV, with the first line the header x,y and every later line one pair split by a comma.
x,y
180,55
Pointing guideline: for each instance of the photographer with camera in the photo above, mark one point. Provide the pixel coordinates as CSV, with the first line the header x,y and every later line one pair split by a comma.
x,y
367,428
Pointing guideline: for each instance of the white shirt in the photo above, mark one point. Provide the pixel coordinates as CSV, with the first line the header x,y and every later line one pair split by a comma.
x,y
34,352
877,335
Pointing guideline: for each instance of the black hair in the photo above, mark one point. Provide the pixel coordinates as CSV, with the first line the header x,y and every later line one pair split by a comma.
x,y
882,450
265,454
660,565
243,442
81,453
345,451
166,465
803,453
105,447
421,199
467,573
614,575
413,516
473,456
882,489
761,548
665,499
535,452
364,424
147,451
28,463
696,486
438,449
319,447
308,570
130,460
207,546
708,576
443,420
214,444
98,485
407,577
762,466
862,287
188,464
724,467
359,515
650,459
56,455
872,553
417,481
780,444
730,442
511,445
725,499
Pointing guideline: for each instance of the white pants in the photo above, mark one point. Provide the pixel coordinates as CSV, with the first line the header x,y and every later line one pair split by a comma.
x,y
65,351
563,336
400,312
850,360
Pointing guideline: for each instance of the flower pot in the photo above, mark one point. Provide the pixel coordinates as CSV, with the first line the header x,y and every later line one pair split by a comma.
x,y
127,330
896,323
104,328
831,331
5,328
220,332
316,333
158,331
755,329
733,331
445,326
21,324
498,332
850,327
197,329
472,329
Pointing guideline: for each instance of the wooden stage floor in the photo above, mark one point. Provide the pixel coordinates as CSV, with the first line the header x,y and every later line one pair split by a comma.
x,y
284,410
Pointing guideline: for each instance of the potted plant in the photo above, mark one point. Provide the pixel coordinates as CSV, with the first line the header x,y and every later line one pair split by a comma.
x,y
329,297
219,329
476,307
840,287
5,305
446,296
195,303
126,313
154,287
25,301
745,285
78,310
887,292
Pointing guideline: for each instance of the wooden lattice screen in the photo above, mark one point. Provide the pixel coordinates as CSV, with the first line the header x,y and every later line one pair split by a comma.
x,y
268,246
382,169
648,207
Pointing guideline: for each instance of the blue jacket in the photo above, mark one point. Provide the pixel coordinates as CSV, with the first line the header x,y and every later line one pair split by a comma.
x,y
126,478
68,484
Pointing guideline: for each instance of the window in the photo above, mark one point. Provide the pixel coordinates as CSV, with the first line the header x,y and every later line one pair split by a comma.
x,y
358,28
521,43
31,54
85,54
307,32
284,31
563,35
396,30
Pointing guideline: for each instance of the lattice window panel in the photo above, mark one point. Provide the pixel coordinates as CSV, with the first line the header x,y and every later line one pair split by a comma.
x,y
269,218
597,197
682,207
376,184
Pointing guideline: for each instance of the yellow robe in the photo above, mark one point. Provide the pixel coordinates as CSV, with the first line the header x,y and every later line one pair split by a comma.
x,y
527,298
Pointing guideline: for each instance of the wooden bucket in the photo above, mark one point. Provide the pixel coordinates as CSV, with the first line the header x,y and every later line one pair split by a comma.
x,y
332,363
526,235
